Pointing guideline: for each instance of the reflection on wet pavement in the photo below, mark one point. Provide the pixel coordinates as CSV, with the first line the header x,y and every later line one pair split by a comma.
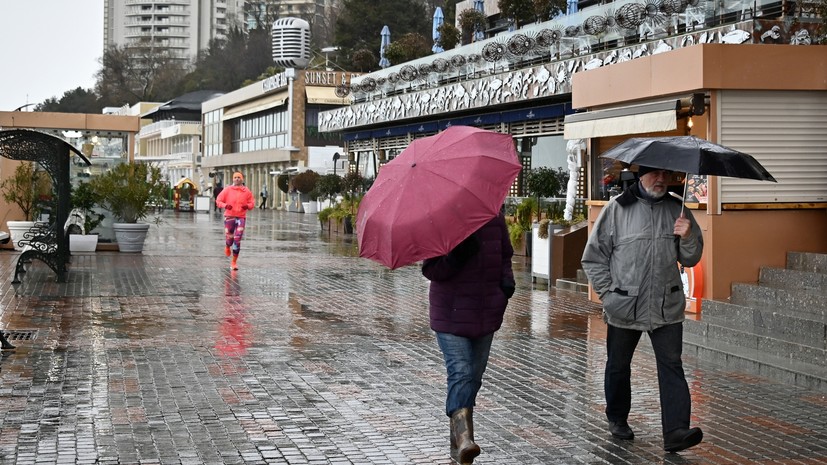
x,y
309,354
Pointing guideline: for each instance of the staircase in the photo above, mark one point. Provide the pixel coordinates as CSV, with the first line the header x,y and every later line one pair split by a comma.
x,y
776,328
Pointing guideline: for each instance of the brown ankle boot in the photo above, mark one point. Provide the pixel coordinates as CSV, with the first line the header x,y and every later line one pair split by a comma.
x,y
463,447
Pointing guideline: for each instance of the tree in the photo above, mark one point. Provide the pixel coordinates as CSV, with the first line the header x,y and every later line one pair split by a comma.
x,y
544,10
470,21
360,23
78,100
449,36
25,188
138,73
329,185
542,182
519,11
408,47
221,65
364,61
306,181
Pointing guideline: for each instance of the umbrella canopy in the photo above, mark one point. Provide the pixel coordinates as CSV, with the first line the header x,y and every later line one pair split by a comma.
x,y
438,20
436,193
479,5
688,154
386,40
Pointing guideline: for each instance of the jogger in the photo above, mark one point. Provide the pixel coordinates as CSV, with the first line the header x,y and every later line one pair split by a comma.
x,y
235,200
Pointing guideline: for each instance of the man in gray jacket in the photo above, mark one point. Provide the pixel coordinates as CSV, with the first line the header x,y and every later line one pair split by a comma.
x,y
631,259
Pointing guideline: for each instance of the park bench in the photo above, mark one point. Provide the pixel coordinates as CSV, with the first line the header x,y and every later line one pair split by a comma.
x,y
39,242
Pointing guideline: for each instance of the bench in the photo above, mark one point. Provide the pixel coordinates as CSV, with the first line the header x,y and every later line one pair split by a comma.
x,y
39,242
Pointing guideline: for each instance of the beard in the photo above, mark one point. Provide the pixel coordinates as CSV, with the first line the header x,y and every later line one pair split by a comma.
x,y
652,193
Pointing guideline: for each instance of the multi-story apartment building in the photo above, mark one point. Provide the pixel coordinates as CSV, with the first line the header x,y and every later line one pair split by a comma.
x,y
182,26
186,26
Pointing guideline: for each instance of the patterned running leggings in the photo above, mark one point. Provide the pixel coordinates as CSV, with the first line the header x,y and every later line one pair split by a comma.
x,y
234,232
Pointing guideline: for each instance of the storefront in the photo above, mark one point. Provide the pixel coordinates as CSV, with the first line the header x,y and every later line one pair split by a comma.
x,y
735,96
271,127
637,71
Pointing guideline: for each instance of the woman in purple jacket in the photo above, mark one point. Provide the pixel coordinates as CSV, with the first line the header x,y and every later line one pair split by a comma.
x,y
470,288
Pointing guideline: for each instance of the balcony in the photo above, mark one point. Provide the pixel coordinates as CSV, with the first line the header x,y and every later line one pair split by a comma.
x,y
605,27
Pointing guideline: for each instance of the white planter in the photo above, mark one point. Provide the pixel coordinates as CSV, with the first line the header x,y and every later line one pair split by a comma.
x,y
540,254
130,236
541,251
17,229
83,242
310,207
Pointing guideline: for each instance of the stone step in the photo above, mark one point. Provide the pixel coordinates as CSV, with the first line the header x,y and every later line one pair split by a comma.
x,y
568,285
756,362
768,321
810,303
806,261
760,340
793,279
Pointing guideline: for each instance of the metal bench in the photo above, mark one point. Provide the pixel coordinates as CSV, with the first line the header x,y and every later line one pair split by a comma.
x,y
39,242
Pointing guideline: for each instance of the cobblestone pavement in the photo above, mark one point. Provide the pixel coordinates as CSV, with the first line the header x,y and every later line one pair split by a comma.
x,y
311,355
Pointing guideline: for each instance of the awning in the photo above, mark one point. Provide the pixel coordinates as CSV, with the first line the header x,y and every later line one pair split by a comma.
x,y
325,96
633,119
256,106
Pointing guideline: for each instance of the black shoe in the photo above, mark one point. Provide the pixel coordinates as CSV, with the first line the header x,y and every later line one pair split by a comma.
x,y
681,439
621,430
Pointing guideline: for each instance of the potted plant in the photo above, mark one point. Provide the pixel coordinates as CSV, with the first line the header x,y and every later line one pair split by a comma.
x,y
328,186
324,217
84,219
25,188
540,183
305,182
283,183
353,184
519,229
130,191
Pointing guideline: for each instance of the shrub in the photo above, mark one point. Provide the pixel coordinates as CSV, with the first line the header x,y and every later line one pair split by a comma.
x,y
130,190
85,199
329,185
306,181
25,188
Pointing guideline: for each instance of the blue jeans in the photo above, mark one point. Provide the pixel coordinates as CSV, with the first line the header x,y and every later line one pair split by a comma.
x,y
465,361
667,342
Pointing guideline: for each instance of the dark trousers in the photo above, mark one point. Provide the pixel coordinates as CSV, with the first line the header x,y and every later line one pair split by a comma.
x,y
667,343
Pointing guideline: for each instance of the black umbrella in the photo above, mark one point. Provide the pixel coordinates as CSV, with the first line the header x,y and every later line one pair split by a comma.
x,y
688,154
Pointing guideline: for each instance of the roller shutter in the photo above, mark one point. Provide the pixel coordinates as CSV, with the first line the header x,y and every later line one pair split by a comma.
x,y
784,130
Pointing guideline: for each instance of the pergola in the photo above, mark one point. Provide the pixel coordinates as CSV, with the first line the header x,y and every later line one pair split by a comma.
x,y
49,244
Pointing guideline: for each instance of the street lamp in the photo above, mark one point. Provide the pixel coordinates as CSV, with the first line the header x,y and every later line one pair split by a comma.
x,y
336,157
326,51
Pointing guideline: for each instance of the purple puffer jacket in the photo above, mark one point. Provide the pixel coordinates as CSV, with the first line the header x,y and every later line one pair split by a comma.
x,y
468,300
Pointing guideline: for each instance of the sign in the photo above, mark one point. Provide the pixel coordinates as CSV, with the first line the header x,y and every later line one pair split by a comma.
x,y
328,78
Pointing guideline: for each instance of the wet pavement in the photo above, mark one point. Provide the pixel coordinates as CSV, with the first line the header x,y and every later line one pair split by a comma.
x,y
311,355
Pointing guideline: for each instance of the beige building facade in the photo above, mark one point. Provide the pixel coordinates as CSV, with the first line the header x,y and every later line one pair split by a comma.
x,y
272,127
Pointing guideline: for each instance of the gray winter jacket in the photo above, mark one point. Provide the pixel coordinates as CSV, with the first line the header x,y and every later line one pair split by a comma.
x,y
631,259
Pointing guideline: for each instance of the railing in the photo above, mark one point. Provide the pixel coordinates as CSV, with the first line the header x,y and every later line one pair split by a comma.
x,y
157,126
595,28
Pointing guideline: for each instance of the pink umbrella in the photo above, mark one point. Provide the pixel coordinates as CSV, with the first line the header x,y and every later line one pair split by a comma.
x,y
436,193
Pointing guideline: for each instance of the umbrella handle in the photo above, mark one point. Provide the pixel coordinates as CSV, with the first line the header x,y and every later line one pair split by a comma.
x,y
685,186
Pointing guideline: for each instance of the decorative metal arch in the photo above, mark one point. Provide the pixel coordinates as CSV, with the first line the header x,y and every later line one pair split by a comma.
x,y
53,154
